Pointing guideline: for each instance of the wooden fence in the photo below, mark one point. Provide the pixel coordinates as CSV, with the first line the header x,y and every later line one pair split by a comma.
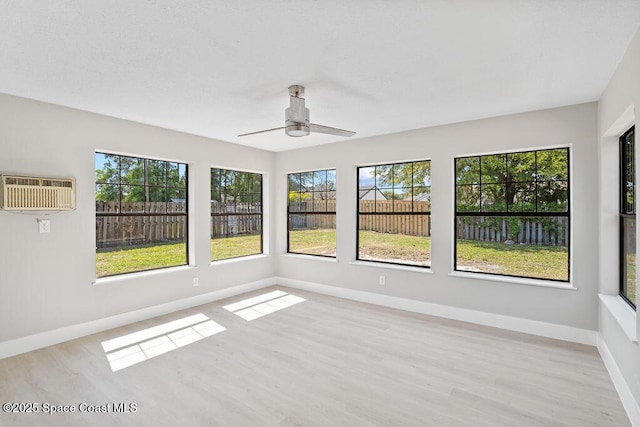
x,y
310,221
233,225
139,229
116,231
233,219
553,231
412,225
409,224
404,206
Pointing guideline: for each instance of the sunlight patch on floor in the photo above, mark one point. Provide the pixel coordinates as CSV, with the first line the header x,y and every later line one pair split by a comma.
x,y
261,305
137,347
253,301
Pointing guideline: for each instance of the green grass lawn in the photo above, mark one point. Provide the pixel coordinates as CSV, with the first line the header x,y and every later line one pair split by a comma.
x,y
313,242
401,248
548,262
140,258
232,247
631,277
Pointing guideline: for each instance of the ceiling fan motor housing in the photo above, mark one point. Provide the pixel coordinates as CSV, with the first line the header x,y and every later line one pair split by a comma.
x,y
297,115
296,129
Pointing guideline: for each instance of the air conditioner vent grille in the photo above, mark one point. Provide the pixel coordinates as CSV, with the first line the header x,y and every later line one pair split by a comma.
x,y
37,193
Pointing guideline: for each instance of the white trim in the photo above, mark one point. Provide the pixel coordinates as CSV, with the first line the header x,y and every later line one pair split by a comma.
x,y
392,162
140,156
234,169
513,280
535,327
319,169
622,124
310,257
141,274
622,313
628,402
217,262
514,151
391,266
56,336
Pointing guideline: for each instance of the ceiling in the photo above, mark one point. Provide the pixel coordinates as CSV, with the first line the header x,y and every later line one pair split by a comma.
x,y
222,68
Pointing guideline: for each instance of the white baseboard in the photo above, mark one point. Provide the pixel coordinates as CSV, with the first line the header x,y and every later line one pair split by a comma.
x,y
56,336
566,333
534,327
628,401
47,338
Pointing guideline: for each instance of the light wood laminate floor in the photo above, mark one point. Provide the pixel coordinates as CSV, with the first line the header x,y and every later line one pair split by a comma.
x,y
323,361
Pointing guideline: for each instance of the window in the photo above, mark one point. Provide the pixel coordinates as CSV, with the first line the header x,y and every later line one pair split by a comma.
x,y
394,213
236,214
512,214
312,213
141,214
628,217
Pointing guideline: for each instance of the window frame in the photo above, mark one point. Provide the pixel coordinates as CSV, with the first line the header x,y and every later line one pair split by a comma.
x,y
145,185
506,213
394,213
247,214
306,213
624,212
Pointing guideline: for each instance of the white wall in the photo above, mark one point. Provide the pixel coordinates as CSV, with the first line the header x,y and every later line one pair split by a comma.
x,y
46,279
573,126
617,110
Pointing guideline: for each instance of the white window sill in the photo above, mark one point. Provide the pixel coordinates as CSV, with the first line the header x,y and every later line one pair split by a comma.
x,y
624,315
388,266
140,274
513,280
312,257
238,259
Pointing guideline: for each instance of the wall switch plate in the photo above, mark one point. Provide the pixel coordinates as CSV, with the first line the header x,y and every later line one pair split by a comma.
x,y
382,280
44,225
195,281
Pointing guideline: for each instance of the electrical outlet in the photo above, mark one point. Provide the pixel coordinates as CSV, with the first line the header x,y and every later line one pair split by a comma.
x,y
382,280
195,281
44,225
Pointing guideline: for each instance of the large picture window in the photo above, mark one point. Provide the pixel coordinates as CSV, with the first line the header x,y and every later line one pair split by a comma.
x,y
236,214
141,214
394,213
312,213
512,214
628,217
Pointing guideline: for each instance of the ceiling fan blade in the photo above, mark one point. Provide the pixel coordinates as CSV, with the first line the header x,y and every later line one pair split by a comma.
x,y
261,131
329,130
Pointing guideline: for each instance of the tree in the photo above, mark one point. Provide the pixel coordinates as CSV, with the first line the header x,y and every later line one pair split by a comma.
x,y
235,191
533,181
397,181
138,180
306,186
107,178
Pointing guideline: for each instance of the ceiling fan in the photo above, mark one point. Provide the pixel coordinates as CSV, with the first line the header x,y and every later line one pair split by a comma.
x,y
297,118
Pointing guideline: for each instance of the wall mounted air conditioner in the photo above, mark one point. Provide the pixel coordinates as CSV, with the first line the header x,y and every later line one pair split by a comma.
x,y
24,193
